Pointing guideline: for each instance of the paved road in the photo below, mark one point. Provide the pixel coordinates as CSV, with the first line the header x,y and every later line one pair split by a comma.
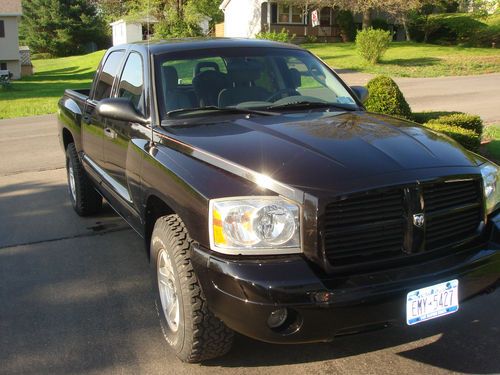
x,y
472,94
75,295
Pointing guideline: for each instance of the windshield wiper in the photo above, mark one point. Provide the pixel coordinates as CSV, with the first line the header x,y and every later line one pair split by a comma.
x,y
214,109
306,104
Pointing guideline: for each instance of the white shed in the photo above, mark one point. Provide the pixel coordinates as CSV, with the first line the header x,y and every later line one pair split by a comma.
x,y
129,31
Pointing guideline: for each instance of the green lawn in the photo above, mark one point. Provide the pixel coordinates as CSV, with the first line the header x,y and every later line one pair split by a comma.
x,y
405,59
38,94
492,149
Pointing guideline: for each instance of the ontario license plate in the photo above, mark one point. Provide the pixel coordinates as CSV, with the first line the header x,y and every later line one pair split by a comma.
x,y
432,302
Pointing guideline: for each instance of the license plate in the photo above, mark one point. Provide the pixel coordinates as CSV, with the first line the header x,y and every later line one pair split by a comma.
x,y
432,302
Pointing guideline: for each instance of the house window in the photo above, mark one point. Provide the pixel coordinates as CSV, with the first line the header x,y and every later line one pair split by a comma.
x,y
290,14
2,29
3,66
325,17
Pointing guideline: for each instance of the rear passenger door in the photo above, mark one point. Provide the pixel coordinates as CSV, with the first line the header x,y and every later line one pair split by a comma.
x,y
92,124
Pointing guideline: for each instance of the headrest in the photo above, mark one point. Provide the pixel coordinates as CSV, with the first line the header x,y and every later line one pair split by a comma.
x,y
205,64
171,77
241,71
295,77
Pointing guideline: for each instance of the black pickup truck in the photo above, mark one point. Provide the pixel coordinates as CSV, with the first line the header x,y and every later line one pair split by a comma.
x,y
271,203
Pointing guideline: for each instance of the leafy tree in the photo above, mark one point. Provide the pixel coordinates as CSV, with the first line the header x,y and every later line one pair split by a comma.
x,y
62,27
177,18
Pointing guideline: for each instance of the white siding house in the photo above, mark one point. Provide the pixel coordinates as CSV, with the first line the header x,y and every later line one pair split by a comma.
x,y
10,15
246,18
242,18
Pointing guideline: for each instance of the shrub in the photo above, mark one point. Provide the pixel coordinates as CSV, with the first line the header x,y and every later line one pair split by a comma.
x,y
283,36
345,20
310,39
461,120
467,138
455,27
485,37
423,117
372,44
386,97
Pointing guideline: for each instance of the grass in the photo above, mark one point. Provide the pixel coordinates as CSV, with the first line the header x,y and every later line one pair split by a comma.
x,y
38,94
492,149
407,59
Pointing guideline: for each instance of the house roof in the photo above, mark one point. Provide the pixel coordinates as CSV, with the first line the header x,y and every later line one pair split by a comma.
x,y
11,7
224,4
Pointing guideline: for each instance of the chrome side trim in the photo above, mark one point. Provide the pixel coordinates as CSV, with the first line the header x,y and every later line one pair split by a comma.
x,y
117,187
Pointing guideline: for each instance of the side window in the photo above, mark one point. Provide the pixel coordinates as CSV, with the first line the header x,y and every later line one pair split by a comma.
x,y
108,74
132,82
2,29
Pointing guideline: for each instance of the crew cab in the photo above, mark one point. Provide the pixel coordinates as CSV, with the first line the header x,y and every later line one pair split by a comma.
x,y
271,202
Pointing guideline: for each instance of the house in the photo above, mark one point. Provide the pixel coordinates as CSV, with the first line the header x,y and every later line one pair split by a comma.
x,y
246,18
10,15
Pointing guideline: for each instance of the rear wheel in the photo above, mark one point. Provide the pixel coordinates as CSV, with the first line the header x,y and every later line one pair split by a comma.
x,y
189,327
84,198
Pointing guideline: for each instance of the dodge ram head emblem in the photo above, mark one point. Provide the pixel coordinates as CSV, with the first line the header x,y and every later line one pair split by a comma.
x,y
419,220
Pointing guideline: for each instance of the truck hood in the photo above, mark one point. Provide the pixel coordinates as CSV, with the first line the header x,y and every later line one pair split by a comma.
x,y
319,150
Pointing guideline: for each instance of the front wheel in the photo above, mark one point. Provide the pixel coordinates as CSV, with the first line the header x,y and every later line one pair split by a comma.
x,y
189,327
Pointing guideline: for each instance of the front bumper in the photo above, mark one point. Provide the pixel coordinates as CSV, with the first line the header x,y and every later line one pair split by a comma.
x,y
244,292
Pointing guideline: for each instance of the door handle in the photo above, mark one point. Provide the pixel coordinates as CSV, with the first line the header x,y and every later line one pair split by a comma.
x,y
110,133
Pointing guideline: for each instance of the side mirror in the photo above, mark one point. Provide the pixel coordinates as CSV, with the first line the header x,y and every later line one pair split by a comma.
x,y
361,92
119,109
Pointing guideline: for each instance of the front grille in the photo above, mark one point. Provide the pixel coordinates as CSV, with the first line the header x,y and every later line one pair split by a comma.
x,y
365,228
375,228
453,210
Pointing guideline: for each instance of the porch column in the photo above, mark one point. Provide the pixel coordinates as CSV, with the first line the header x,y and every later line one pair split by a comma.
x,y
306,17
269,15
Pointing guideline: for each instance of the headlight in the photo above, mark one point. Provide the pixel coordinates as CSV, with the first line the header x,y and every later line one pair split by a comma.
x,y
491,185
254,225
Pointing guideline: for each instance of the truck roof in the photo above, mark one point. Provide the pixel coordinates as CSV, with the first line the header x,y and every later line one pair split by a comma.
x,y
182,44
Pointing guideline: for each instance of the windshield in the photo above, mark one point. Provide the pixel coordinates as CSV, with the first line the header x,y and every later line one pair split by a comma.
x,y
246,78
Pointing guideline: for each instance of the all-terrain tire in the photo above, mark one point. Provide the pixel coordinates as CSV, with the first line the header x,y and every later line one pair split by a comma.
x,y
84,198
199,335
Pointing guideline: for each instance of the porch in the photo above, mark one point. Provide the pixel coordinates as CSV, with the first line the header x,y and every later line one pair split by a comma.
x,y
297,20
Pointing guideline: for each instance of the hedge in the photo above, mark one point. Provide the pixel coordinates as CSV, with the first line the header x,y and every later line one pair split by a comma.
x,y
456,28
423,117
462,120
386,97
467,138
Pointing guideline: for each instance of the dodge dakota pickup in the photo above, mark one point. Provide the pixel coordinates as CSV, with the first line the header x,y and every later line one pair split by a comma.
x,y
271,202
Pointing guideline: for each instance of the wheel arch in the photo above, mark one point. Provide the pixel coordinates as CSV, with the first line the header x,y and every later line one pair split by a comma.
x,y
67,138
156,207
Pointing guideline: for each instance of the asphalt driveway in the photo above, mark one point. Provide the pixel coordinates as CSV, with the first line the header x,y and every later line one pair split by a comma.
x,y
479,95
75,295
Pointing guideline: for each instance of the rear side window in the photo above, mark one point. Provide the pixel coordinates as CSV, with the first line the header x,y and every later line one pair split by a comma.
x,y
132,82
108,74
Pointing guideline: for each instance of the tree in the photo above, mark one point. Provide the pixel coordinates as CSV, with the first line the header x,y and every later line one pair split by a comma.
x,y
179,18
62,27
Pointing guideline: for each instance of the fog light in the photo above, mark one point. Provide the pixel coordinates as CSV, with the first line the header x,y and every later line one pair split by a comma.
x,y
323,297
277,318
